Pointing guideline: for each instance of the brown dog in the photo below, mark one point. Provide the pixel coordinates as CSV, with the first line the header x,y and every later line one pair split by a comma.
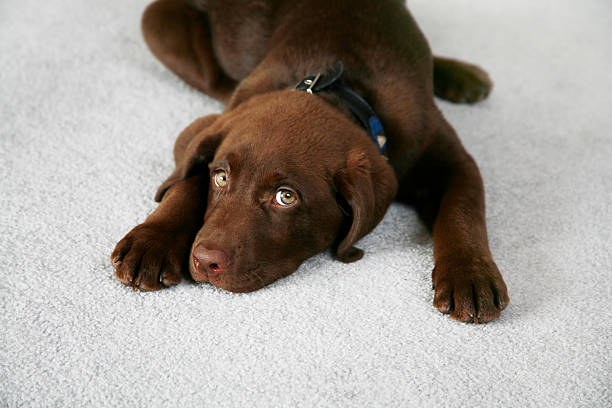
x,y
283,174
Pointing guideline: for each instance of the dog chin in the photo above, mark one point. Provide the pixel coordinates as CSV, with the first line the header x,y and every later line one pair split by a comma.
x,y
226,283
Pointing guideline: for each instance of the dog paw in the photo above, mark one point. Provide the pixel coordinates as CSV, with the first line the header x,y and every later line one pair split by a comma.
x,y
461,82
150,257
470,290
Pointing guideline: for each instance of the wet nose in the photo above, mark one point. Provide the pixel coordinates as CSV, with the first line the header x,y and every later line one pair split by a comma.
x,y
211,261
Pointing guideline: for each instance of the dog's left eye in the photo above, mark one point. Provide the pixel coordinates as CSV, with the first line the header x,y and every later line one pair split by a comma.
x,y
285,197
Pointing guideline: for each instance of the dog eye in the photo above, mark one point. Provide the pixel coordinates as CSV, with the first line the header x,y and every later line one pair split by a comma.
x,y
285,197
220,178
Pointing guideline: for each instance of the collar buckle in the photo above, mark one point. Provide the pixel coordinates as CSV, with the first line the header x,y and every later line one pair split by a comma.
x,y
331,82
311,83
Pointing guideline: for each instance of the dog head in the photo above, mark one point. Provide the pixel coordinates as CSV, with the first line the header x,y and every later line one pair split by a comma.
x,y
290,176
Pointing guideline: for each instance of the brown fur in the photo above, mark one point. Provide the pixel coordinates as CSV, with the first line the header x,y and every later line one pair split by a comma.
x,y
250,54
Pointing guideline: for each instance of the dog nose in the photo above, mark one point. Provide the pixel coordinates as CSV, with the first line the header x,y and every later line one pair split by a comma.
x,y
212,261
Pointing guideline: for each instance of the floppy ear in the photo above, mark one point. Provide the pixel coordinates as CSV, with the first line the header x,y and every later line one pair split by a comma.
x,y
197,154
368,185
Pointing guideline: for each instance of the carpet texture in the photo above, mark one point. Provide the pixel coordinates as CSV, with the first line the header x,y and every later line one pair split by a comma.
x,y
88,120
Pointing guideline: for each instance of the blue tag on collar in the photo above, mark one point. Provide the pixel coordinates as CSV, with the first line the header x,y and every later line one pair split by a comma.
x,y
378,134
332,82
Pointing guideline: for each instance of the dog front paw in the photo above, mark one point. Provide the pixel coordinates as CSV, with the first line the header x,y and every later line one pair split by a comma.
x,y
470,289
150,257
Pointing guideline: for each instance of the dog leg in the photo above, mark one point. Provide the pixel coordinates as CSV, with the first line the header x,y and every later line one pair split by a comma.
x,y
447,190
460,82
154,253
179,36
467,283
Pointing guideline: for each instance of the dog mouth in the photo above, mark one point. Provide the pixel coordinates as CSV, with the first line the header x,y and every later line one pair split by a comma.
x,y
247,280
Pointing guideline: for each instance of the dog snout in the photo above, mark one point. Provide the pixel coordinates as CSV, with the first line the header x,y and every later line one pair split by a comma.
x,y
210,261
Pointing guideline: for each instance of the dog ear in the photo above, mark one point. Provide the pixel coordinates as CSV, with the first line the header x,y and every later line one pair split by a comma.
x,y
367,185
198,152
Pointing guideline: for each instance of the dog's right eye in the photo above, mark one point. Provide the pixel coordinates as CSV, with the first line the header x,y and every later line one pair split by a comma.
x,y
220,178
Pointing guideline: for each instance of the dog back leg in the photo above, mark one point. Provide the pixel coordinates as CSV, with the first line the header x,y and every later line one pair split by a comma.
x,y
179,36
460,82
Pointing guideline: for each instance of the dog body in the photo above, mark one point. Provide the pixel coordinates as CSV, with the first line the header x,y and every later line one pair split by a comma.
x,y
283,174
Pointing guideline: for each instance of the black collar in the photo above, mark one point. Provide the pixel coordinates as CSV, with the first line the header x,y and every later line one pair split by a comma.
x,y
331,82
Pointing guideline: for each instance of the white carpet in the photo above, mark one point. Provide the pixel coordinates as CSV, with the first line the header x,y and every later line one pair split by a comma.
x,y
88,120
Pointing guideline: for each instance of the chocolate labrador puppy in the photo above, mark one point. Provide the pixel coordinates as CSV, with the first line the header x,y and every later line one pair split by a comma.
x,y
330,115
